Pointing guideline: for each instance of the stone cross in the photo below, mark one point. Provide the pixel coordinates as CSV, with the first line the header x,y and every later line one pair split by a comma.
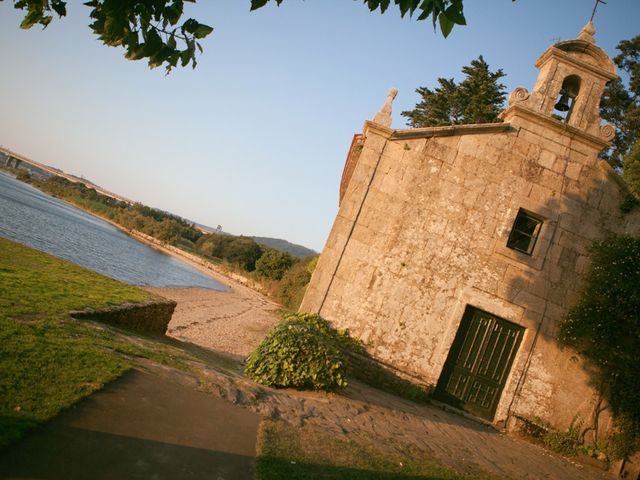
x,y
595,7
383,117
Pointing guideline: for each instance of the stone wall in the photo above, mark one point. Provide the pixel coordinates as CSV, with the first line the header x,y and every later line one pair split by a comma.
x,y
150,317
422,232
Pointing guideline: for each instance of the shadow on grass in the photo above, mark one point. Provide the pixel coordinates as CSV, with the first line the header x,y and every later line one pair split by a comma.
x,y
269,468
14,427
65,453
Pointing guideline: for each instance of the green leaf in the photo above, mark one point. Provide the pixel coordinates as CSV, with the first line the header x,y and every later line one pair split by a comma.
x,y
190,26
454,14
446,26
202,31
31,19
427,8
405,6
59,7
171,42
256,4
185,57
135,52
173,12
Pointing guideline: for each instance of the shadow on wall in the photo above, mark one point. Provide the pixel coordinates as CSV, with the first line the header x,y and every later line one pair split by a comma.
x,y
553,382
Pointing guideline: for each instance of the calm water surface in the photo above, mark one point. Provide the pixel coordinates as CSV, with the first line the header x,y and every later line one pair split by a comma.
x,y
38,220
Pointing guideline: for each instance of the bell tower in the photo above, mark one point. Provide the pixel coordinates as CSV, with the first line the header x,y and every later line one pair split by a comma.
x,y
572,78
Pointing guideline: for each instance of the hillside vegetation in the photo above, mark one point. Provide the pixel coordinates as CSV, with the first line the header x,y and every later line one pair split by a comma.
x,y
284,276
292,249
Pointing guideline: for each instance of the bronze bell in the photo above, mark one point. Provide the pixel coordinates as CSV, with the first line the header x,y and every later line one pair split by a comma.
x,y
563,103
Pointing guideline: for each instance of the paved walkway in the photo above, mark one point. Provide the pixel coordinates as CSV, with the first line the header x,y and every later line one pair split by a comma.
x,y
369,416
142,426
157,426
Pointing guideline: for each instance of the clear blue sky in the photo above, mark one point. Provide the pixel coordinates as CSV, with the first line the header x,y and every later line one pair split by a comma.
x,y
256,137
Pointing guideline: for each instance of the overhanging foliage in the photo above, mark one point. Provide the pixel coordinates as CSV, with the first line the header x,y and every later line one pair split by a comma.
x,y
153,29
605,327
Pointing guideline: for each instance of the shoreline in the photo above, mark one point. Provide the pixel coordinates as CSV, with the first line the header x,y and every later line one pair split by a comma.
x,y
228,278
232,321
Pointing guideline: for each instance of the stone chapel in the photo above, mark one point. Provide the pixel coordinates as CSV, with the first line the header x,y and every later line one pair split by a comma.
x,y
457,250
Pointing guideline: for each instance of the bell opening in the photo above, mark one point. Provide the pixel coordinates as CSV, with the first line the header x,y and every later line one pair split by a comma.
x,y
567,98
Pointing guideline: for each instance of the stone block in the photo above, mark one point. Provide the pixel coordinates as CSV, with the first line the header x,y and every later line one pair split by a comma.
x,y
550,180
559,165
573,170
568,222
474,183
530,302
440,151
541,194
469,197
374,142
547,159
369,157
527,135
396,149
582,264
150,317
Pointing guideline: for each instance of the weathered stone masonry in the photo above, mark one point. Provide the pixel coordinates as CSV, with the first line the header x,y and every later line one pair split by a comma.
x,y
423,227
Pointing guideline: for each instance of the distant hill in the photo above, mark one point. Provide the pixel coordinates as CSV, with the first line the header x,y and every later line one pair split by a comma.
x,y
285,246
275,243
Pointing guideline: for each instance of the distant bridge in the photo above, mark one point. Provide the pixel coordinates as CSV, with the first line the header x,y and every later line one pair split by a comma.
x,y
15,160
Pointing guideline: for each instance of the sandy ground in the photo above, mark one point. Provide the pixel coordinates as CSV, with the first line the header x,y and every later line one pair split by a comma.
x,y
233,322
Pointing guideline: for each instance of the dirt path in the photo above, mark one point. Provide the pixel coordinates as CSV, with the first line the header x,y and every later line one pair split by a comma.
x,y
233,322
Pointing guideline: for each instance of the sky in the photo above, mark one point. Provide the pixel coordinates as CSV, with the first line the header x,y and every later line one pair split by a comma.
x,y
255,138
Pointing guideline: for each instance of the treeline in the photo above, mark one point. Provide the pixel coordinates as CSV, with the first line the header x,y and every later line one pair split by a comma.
x,y
284,277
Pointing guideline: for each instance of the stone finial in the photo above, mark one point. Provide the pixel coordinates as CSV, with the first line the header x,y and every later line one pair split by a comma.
x,y
587,32
520,94
383,117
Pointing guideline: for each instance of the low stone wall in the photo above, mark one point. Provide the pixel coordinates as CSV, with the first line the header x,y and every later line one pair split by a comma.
x,y
149,317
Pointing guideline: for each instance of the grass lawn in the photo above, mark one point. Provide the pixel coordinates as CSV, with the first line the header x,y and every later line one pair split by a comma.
x,y
48,361
286,452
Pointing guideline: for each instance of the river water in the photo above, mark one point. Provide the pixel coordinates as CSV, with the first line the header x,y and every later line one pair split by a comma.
x,y
33,218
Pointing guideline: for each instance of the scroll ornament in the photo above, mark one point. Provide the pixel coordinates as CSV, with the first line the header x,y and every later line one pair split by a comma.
x,y
520,94
608,131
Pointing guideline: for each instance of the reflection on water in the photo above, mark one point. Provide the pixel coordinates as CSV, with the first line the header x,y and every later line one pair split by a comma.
x,y
40,221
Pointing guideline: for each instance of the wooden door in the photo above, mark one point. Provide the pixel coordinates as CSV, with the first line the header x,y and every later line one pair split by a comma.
x,y
479,362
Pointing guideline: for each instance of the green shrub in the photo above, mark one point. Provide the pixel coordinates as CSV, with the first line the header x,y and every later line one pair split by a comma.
x,y
625,442
291,288
565,443
313,263
631,171
305,351
273,264
629,202
300,352
239,251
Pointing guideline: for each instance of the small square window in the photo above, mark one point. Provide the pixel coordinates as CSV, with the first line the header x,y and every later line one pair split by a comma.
x,y
524,232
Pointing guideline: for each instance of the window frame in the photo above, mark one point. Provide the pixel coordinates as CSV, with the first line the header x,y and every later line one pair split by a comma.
x,y
533,238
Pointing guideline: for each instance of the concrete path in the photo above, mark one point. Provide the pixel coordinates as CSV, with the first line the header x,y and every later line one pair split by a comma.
x,y
142,426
